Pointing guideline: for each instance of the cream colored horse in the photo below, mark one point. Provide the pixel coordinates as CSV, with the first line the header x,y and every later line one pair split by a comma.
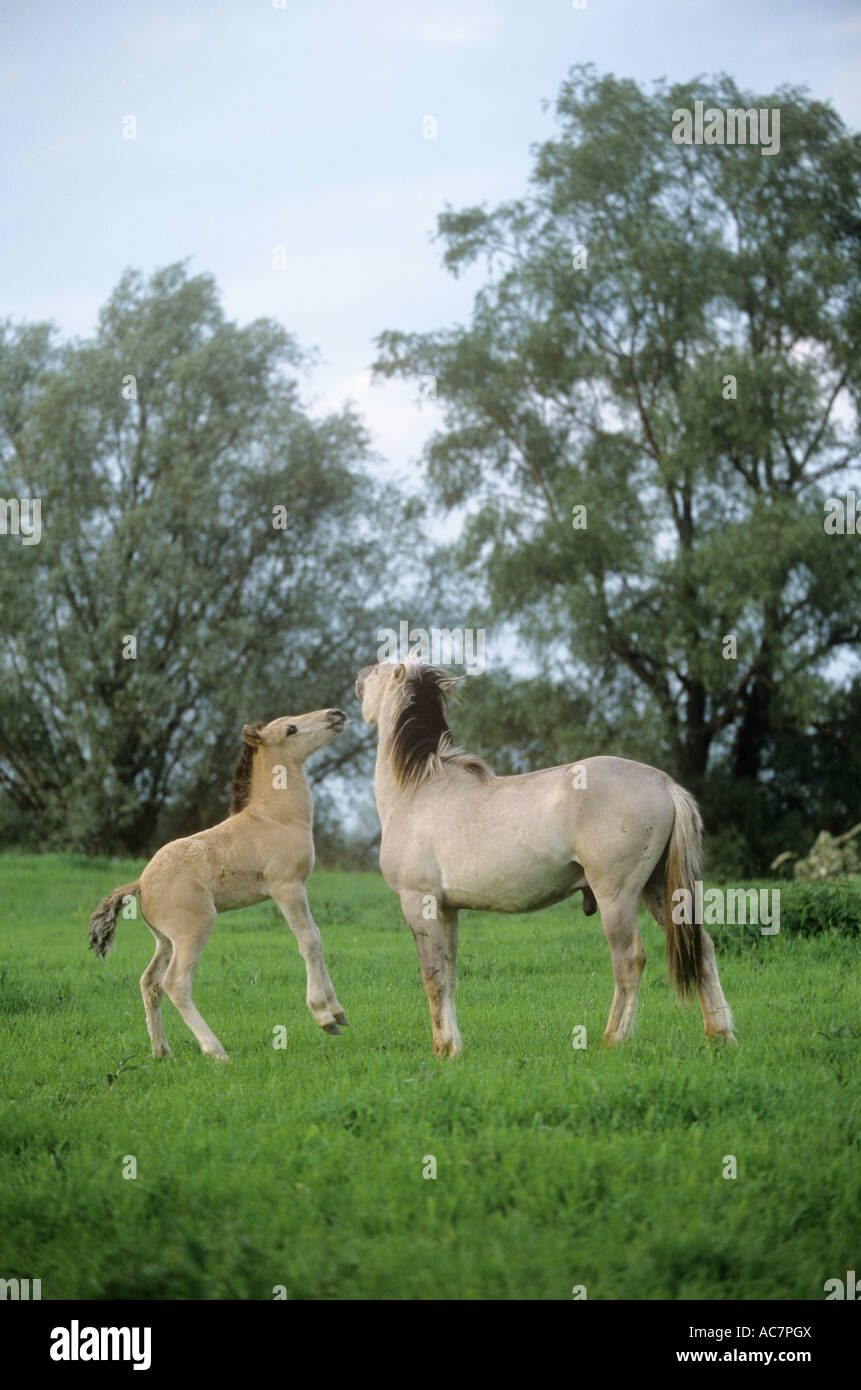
x,y
263,850
455,836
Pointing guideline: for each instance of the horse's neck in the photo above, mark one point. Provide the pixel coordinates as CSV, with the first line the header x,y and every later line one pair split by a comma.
x,y
386,788
384,782
280,791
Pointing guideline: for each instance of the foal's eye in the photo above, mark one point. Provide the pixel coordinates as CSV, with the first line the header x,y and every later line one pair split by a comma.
x,y
291,729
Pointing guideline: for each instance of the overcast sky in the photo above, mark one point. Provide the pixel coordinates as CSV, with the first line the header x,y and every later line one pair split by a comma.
x,y
260,126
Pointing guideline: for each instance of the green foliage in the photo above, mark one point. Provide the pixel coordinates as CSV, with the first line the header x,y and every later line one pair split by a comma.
x,y
158,511
303,1167
126,1064
811,908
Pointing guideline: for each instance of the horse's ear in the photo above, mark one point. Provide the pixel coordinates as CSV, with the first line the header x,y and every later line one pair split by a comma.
x,y
399,672
251,734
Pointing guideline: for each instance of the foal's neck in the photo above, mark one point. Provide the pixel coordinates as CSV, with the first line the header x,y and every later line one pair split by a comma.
x,y
279,790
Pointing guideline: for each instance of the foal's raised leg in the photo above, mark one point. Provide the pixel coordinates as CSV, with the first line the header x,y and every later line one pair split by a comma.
x,y
622,930
436,942
152,984
189,932
320,996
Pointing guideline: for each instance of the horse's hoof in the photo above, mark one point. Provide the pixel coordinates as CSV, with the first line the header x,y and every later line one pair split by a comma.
x,y
218,1056
725,1038
341,1018
331,1028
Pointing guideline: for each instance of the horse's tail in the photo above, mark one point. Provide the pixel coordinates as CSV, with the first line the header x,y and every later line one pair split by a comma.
x,y
103,922
684,866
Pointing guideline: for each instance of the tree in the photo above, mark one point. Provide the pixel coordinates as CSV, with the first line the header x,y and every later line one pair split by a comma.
x,y
668,340
209,556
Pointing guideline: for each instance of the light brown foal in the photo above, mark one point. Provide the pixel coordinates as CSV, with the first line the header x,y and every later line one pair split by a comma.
x,y
265,849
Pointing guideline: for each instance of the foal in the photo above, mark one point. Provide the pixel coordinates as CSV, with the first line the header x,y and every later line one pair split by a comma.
x,y
263,850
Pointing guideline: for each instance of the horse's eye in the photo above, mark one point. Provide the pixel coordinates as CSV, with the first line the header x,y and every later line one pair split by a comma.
x,y
291,729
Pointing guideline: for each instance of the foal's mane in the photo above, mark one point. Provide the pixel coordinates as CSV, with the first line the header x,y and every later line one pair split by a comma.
x,y
420,745
241,787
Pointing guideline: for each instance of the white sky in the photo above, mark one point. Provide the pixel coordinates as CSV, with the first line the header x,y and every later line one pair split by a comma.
x,y
302,126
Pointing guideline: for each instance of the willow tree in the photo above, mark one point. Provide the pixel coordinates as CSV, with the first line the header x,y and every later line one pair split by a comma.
x,y
209,555
655,397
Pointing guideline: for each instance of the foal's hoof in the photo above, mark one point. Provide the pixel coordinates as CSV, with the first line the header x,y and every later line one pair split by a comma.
x,y
331,1028
341,1018
218,1056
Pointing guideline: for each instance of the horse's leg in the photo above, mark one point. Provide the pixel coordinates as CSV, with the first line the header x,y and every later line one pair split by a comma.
x,y
189,932
320,996
152,984
436,943
622,930
717,1017
449,920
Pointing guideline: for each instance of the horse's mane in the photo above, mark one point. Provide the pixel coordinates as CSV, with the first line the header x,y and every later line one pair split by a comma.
x,y
241,786
420,745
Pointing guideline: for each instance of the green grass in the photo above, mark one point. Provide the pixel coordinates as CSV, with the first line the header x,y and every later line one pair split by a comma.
x,y
303,1167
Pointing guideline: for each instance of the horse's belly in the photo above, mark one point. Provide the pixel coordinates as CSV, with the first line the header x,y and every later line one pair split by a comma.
x,y
512,887
228,895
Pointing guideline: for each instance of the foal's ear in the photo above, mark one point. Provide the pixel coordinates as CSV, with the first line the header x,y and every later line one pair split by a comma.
x,y
251,734
399,672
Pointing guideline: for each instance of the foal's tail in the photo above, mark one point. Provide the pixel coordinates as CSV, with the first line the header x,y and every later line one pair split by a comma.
x,y
684,866
103,922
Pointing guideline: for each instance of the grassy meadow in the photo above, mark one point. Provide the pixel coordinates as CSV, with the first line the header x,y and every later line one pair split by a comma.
x,y
303,1167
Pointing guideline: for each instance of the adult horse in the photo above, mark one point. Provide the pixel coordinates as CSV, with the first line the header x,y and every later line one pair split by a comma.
x,y
264,849
456,836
